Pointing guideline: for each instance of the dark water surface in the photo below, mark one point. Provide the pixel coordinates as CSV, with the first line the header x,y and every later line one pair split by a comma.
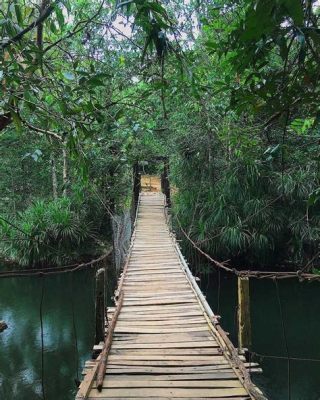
x,y
68,325
300,304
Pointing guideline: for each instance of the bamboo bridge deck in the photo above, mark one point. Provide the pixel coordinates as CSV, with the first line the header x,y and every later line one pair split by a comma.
x,y
164,343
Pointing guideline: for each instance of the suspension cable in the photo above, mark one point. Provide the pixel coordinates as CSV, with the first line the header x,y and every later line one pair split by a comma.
x,y
42,337
248,273
284,333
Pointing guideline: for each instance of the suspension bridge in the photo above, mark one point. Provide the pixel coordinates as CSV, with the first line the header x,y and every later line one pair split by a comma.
x,y
162,340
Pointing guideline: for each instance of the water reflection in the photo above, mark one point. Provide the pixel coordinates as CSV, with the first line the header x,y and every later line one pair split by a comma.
x,y
20,344
301,307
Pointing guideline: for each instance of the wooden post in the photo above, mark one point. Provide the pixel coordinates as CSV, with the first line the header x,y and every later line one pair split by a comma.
x,y
100,306
244,321
136,189
165,184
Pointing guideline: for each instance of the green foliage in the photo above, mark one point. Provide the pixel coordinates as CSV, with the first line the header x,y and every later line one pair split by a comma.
x,y
250,214
230,92
49,233
271,48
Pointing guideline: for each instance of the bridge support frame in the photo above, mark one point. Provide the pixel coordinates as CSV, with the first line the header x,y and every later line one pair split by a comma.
x,y
100,306
244,320
165,183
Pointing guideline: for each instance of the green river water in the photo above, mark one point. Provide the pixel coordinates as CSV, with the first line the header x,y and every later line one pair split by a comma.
x,y
68,326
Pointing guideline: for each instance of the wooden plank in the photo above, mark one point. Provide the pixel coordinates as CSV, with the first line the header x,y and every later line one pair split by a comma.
x,y
170,398
151,284
160,330
163,345
179,321
160,301
87,382
159,309
167,363
157,292
165,357
161,279
169,338
170,350
164,336
162,271
163,296
160,317
115,369
109,383
144,297
168,392
212,376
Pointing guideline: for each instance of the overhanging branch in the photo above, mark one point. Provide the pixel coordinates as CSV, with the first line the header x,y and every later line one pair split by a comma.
x,y
43,131
43,16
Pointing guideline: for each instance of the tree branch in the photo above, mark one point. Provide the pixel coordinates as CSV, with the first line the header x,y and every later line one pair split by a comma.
x,y
78,28
43,16
43,131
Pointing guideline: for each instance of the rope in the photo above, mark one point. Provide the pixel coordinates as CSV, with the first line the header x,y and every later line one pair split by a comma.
x,y
42,339
236,319
284,333
252,274
106,287
75,336
262,356
219,291
52,270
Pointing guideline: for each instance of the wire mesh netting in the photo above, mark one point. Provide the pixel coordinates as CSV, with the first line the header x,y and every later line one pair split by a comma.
x,y
121,225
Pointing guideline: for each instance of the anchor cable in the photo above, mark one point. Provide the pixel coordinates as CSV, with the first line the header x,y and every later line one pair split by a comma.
x,y
75,335
42,338
284,333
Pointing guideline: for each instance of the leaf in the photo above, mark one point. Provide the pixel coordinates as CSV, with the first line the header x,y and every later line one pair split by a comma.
x,y
69,75
36,155
94,81
62,107
53,27
25,156
157,8
18,14
314,197
60,17
16,120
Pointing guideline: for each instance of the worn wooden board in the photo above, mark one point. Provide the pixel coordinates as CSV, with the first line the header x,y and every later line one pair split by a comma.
x,y
109,383
169,392
191,344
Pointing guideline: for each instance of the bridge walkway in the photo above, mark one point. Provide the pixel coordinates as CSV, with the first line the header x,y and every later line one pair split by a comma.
x,y
164,343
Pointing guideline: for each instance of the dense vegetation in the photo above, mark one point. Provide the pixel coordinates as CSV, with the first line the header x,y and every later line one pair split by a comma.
x,y
228,90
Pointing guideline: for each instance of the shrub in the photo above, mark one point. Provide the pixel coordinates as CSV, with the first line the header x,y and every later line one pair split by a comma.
x,y
50,233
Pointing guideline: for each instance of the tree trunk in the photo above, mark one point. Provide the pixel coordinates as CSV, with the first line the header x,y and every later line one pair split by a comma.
x,y
65,169
136,189
165,182
54,176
